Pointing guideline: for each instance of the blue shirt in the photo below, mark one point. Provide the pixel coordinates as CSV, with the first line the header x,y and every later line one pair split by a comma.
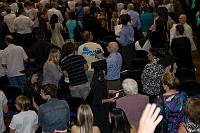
x,y
126,35
114,63
54,114
135,19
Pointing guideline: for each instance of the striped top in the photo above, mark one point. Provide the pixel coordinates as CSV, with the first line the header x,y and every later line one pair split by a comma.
x,y
74,65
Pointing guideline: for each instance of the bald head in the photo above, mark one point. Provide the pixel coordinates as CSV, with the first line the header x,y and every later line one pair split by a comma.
x,y
182,19
112,47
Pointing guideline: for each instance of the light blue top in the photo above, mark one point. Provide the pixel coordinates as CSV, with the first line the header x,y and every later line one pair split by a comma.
x,y
135,19
71,24
126,35
114,63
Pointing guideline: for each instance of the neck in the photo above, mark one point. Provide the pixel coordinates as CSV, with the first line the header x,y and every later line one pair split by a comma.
x,y
171,91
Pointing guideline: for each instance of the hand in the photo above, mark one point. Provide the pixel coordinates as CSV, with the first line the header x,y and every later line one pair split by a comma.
x,y
153,27
150,119
100,56
112,100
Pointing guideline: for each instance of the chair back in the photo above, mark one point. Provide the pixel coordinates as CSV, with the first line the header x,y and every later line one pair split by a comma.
x,y
191,87
185,74
141,54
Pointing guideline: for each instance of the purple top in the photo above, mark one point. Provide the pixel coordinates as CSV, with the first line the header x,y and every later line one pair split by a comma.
x,y
133,106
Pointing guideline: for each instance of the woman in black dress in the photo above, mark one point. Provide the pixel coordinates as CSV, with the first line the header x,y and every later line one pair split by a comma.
x,y
99,101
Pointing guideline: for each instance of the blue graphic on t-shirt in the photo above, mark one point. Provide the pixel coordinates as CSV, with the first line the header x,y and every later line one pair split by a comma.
x,y
89,52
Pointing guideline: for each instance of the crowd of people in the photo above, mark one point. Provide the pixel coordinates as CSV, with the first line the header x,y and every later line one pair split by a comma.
x,y
85,45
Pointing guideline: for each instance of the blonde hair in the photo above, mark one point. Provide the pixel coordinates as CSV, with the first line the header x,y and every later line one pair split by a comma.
x,y
23,102
85,118
54,56
130,86
170,80
115,46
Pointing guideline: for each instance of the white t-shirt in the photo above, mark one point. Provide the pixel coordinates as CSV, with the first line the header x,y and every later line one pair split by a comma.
x,y
13,56
3,101
24,122
88,51
23,24
9,20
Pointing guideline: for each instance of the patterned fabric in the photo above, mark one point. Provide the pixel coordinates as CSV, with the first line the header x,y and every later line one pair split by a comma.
x,y
174,110
56,37
192,128
151,77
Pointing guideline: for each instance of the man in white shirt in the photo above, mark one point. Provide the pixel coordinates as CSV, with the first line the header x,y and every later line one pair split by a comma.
x,y
32,14
9,20
187,31
14,6
88,50
23,27
13,58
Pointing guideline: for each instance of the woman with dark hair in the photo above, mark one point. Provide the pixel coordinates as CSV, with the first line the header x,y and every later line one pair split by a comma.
x,y
32,89
99,101
157,34
71,24
119,122
181,48
56,27
151,75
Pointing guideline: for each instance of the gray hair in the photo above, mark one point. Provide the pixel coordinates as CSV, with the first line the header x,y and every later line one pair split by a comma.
x,y
130,86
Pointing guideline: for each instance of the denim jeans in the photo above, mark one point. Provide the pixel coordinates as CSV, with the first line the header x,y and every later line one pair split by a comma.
x,y
18,81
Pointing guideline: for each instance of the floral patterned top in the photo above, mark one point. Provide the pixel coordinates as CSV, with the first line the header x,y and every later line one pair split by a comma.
x,y
151,77
174,109
192,128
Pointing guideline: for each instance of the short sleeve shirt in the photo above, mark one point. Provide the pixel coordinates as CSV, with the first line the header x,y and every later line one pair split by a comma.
x,y
3,101
24,122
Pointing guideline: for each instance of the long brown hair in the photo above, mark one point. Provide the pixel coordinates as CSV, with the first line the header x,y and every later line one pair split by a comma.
x,y
98,75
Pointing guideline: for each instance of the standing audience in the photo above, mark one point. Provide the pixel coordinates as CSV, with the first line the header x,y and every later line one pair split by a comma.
x,y
85,121
54,114
132,102
3,109
13,59
151,75
114,63
126,39
99,101
27,120
56,27
172,103
74,67
119,122
192,111
51,70
181,48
